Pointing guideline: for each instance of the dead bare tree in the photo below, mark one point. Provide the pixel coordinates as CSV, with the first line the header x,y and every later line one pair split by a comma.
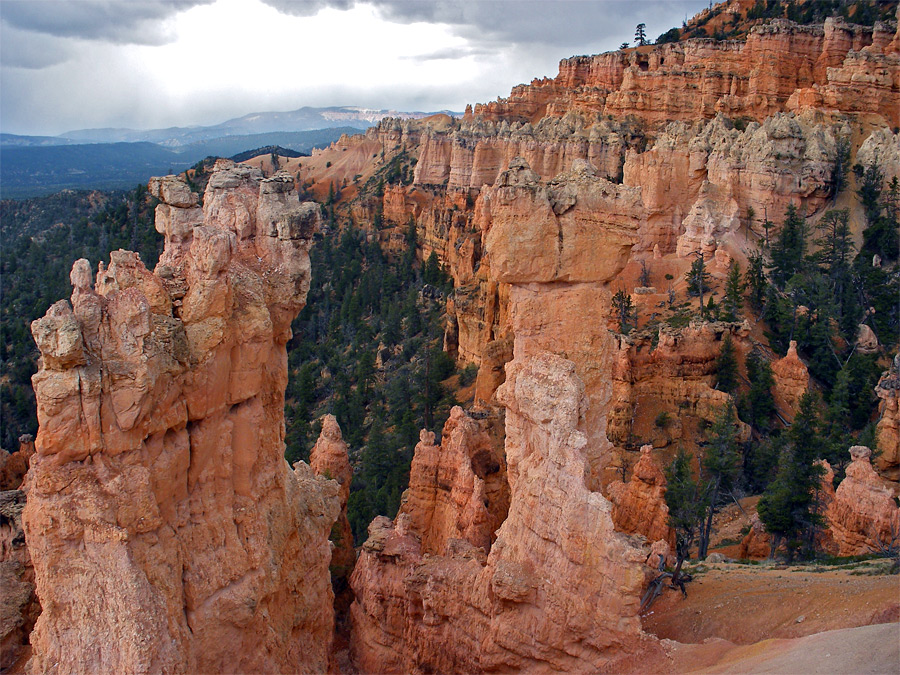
x,y
886,546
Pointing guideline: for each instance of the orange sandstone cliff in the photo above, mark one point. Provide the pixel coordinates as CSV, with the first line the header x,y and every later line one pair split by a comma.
x,y
639,506
888,429
167,532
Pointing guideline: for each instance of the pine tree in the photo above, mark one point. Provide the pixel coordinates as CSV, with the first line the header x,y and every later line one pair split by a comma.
x,y
432,272
760,403
640,34
837,424
789,248
733,300
684,502
727,366
721,468
624,309
755,279
789,506
698,280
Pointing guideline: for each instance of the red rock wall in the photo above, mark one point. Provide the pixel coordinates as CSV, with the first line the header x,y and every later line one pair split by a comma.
x,y
639,506
699,78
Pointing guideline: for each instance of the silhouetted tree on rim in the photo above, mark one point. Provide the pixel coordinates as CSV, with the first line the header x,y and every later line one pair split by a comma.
x,y
640,34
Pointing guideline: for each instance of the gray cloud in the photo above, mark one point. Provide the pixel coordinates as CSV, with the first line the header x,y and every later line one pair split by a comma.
x,y
556,23
309,7
24,49
115,21
452,53
63,65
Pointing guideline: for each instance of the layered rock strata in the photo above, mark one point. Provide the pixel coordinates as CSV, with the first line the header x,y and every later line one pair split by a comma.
x,y
558,590
167,532
781,65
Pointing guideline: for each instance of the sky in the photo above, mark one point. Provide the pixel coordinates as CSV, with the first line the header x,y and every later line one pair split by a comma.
x,y
144,64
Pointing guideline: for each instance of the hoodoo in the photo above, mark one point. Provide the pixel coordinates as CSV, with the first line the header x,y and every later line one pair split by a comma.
x,y
167,531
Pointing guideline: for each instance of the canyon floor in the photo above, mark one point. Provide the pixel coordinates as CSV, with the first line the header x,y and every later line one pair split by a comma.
x,y
781,619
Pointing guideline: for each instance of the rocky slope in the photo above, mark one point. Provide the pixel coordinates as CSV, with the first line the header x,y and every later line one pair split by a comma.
x,y
166,530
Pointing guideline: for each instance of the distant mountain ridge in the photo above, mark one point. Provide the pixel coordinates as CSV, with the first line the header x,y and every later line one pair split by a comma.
x,y
302,119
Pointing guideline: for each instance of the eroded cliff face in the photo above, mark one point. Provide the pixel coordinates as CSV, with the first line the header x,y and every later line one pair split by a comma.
x,y
780,66
558,590
694,136
167,532
19,607
458,490
667,392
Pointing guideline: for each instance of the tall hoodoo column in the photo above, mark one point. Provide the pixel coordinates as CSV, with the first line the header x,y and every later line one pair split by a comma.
x,y
168,533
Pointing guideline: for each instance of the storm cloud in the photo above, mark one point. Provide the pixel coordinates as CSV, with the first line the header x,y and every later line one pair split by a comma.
x,y
555,23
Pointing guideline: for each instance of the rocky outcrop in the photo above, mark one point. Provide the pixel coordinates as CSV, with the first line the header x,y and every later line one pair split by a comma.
x,y
887,432
757,543
14,465
458,489
791,381
665,394
863,515
19,607
639,506
159,483
329,458
559,588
